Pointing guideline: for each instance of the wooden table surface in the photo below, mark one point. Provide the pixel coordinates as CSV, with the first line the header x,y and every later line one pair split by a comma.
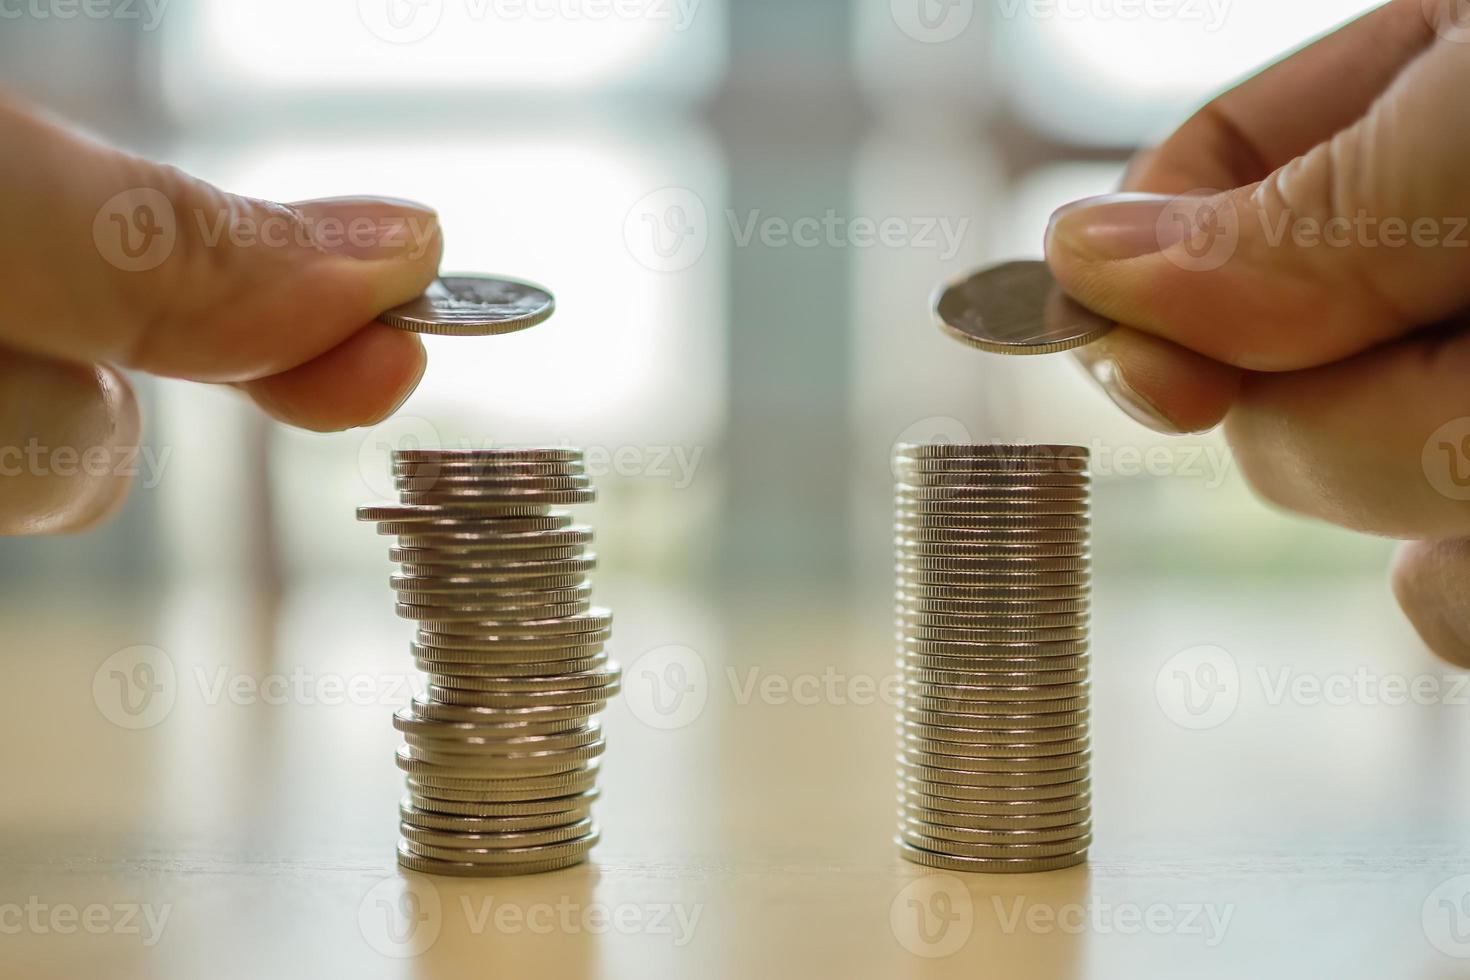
x,y
1309,820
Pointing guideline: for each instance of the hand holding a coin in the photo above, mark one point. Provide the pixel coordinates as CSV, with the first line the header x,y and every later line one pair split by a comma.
x,y
111,261
1312,303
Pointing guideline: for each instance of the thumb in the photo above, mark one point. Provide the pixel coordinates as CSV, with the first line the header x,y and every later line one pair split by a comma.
x,y
1361,240
113,258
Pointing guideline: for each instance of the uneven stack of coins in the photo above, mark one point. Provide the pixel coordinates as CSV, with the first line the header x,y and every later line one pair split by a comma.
x,y
501,753
993,602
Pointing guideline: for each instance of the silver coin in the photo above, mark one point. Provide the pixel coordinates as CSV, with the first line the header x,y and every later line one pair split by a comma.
x,y
957,813
468,573
454,739
987,666
1018,748
995,793
941,634
432,710
429,799
498,501
509,840
500,789
944,862
483,486
410,722
463,592
455,546
1008,851
489,655
445,762
1002,837
980,607
586,680
411,861
411,814
956,680
488,618
528,454
1062,621
984,451
982,736
481,699
1037,527
488,599
995,723
488,559
1016,458
509,856
453,532
594,620
956,779
490,468
542,668
487,486
397,513
994,479
978,701
989,537
983,560
495,599
518,791
969,594
473,306
988,648
987,766
418,864
1020,494
1017,308
991,687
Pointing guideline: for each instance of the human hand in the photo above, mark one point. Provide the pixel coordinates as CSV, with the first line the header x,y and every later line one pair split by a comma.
x,y
112,261
1311,303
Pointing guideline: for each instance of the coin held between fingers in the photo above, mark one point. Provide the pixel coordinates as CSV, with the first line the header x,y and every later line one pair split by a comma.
x,y
473,306
1017,308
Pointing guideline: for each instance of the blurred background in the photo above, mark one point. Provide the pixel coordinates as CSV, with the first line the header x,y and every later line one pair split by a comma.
x,y
743,207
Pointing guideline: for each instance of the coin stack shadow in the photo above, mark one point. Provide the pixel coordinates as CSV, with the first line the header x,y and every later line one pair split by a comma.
x,y
993,602
501,753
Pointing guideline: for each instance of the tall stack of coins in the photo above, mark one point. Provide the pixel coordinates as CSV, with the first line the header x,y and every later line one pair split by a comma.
x,y
501,754
993,597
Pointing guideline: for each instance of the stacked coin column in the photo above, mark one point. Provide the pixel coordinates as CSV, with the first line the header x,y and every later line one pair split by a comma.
x,y
993,603
501,754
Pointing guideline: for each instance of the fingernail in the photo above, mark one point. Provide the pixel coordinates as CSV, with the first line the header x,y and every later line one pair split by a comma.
x,y
370,228
1118,226
1109,376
